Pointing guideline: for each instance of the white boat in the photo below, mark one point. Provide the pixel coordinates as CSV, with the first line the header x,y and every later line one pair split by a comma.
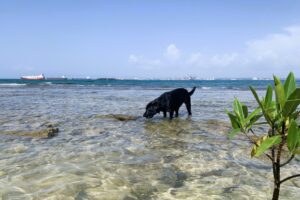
x,y
38,77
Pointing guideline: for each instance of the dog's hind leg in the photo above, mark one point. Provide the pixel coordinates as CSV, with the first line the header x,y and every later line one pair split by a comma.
x,y
188,105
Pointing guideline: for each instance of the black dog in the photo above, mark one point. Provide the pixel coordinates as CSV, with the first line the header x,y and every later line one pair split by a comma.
x,y
170,102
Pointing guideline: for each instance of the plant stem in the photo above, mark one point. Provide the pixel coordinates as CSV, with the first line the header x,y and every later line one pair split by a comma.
x,y
276,193
290,177
277,165
276,174
276,170
289,160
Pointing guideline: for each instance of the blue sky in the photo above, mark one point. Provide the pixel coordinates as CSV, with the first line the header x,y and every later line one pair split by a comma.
x,y
157,38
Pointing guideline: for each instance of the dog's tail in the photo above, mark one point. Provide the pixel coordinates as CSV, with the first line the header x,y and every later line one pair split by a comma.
x,y
192,91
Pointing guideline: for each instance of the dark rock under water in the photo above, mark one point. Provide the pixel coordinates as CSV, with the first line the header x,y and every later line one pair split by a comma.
x,y
120,117
44,133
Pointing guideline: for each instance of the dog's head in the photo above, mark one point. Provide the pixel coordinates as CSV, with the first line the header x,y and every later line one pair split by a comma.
x,y
151,109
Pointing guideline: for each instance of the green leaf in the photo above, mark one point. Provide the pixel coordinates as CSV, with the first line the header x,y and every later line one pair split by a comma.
x,y
269,94
292,103
293,136
237,106
253,120
267,143
256,97
294,115
272,111
253,114
233,120
233,133
299,137
279,92
289,84
245,110
261,105
253,117
260,123
297,152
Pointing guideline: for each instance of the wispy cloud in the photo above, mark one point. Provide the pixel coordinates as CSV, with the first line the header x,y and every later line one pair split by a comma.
x,y
216,60
274,53
143,62
279,49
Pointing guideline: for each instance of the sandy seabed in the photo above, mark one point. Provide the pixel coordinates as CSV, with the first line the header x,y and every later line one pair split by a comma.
x,y
99,157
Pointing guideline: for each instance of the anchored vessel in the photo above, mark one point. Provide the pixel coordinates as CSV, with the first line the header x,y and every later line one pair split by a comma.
x,y
38,77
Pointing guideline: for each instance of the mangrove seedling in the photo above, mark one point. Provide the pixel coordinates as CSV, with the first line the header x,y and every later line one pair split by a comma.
x,y
279,114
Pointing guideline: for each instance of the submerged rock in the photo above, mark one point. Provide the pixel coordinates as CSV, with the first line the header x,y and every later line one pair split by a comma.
x,y
172,177
2,173
217,126
119,117
143,191
44,133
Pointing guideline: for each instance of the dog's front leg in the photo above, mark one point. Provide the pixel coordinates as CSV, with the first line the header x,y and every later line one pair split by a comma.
x,y
171,114
176,112
165,113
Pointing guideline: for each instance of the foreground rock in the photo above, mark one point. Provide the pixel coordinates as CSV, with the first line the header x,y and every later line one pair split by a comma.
x,y
44,133
119,117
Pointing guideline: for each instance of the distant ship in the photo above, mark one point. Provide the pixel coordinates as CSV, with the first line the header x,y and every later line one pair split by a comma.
x,y
190,78
38,77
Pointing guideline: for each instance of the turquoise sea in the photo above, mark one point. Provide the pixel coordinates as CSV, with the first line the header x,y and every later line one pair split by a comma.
x,y
95,155
145,84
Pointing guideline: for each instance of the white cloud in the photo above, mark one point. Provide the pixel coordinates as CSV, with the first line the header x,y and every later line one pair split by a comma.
x,y
224,59
133,59
276,49
143,62
196,58
276,53
172,53
217,60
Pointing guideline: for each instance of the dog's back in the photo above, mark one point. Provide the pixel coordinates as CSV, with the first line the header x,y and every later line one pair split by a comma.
x,y
178,97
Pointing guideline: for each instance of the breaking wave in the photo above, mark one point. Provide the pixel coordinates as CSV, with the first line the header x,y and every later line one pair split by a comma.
x,y
12,84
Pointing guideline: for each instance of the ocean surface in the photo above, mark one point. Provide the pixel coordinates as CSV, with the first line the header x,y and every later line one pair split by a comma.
x,y
96,156
144,84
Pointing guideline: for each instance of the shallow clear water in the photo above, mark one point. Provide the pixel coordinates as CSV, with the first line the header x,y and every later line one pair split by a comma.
x,y
98,157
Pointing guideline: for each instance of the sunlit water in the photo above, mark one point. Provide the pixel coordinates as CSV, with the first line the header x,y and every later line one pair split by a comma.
x,y
97,157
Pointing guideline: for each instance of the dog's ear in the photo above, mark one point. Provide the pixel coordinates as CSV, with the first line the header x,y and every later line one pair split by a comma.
x,y
151,104
148,105
155,105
